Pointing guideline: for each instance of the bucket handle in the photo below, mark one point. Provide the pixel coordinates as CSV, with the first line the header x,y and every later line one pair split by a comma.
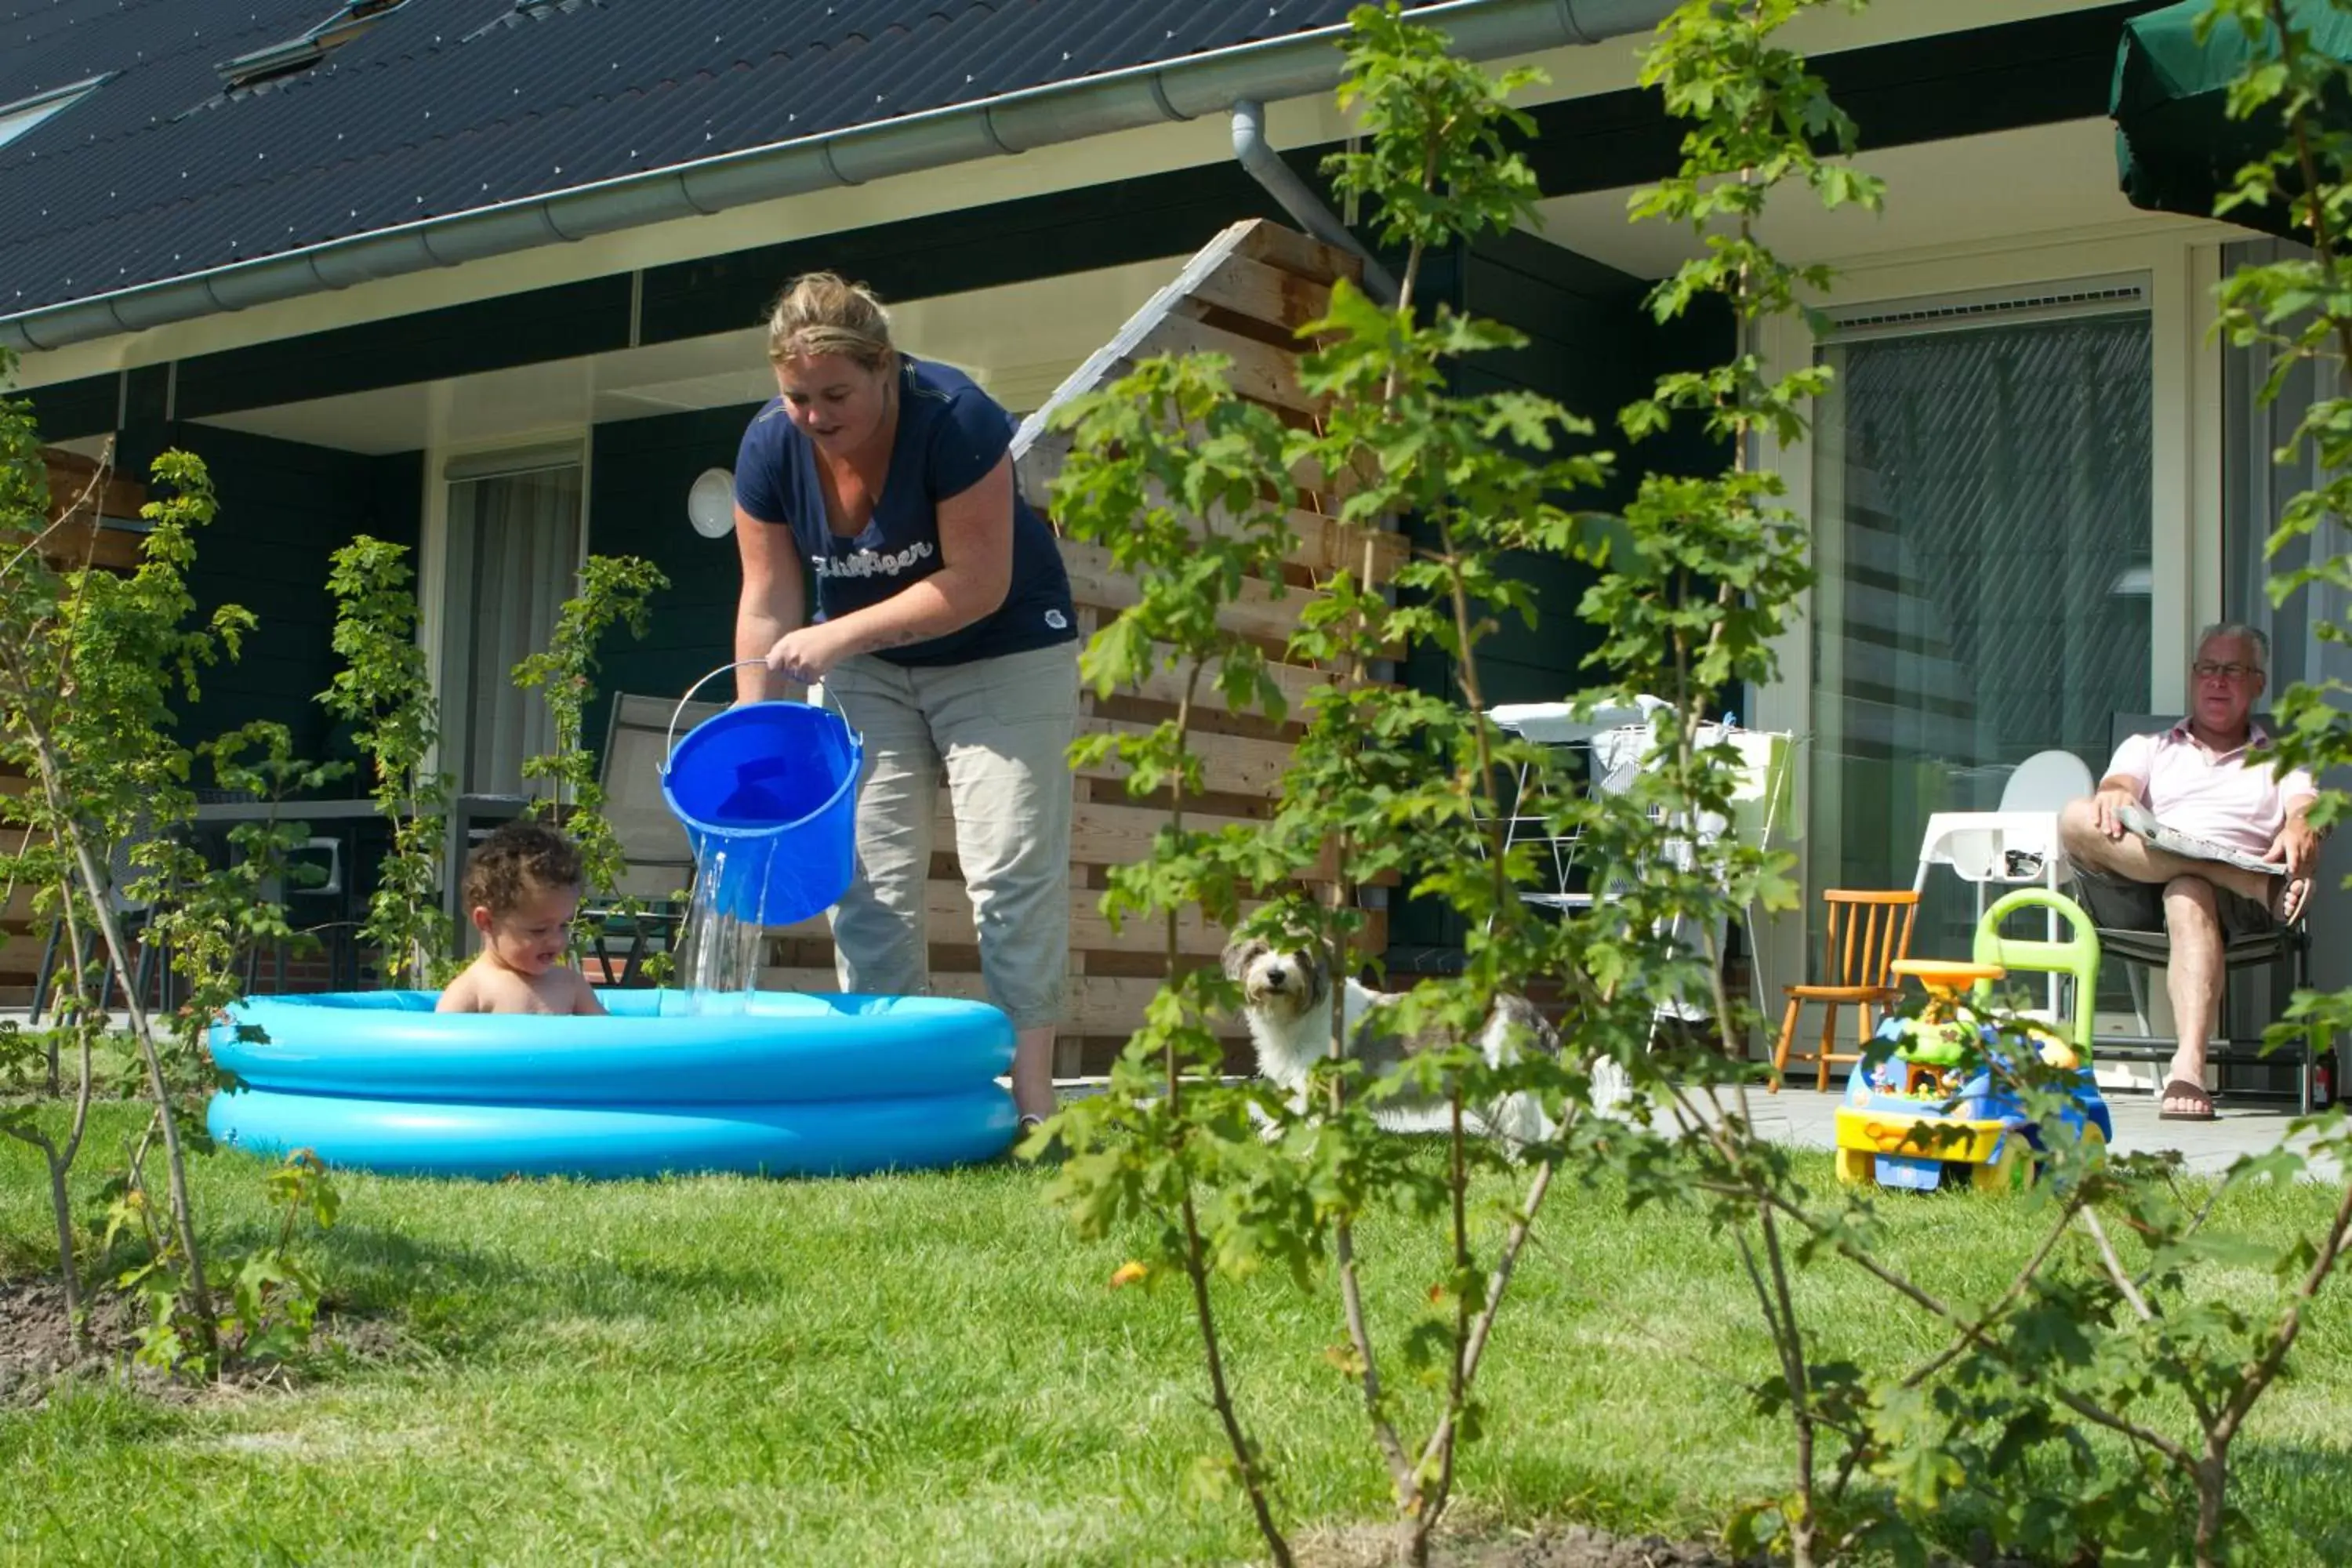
x,y
669,741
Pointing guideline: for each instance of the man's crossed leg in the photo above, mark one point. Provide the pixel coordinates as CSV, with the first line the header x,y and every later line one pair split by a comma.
x,y
2132,885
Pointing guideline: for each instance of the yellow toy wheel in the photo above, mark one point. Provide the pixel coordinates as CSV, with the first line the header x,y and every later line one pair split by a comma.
x,y
2007,1172
1856,1167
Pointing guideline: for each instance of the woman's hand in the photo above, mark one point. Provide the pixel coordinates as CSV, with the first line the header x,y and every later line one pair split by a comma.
x,y
808,654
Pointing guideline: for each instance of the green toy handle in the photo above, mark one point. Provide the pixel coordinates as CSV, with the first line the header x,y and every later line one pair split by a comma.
x,y
2008,904
2078,956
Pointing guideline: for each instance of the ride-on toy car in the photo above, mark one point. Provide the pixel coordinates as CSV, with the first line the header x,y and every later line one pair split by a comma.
x,y
1933,1109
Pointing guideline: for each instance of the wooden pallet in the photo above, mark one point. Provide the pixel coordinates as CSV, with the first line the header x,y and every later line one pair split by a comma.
x,y
90,516
1244,295
21,936
94,518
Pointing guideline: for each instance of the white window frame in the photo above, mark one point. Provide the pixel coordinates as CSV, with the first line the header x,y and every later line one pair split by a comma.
x,y
472,461
2179,265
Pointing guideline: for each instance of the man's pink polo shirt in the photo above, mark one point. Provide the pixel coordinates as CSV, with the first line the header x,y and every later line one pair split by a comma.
x,y
2231,797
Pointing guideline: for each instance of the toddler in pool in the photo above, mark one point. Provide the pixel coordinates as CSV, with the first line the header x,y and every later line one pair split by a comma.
x,y
523,888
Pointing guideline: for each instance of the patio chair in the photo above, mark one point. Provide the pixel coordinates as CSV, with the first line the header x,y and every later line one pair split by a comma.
x,y
1614,741
131,917
1867,932
320,904
659,872
2286,951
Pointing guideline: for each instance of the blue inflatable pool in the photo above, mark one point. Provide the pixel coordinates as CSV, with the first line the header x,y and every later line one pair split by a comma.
x,y
779,1085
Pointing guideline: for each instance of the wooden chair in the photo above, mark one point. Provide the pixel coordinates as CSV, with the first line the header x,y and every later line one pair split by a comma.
x,y
1867,932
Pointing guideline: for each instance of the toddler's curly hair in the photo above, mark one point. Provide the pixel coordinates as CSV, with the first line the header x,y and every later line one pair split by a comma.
x,y
520,857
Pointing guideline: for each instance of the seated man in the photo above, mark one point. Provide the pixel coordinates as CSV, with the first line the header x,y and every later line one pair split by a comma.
x,y
2206,777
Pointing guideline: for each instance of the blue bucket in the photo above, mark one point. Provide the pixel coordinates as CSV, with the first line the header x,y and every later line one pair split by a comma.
x,y
773,786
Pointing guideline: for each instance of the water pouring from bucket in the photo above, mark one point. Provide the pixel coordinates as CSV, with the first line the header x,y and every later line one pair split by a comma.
x,y
768,795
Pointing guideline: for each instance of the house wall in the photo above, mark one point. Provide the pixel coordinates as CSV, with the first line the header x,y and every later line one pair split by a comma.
x,y
285,508
2176,262
1593,347
639,472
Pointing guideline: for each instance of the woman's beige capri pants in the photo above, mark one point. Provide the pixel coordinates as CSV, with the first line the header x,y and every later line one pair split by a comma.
x,y
1000,729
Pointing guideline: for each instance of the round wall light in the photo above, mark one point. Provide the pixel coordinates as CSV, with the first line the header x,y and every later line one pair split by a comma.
x,y
711,504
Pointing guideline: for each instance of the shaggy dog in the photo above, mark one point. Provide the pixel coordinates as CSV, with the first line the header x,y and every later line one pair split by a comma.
x,y
1286,1000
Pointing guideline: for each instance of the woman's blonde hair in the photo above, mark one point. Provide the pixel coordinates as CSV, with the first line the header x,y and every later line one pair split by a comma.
x,y
818,313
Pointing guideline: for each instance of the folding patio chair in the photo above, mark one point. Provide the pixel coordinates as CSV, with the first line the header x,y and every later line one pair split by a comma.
x,y
2284,951
1604,752
659,873
131,916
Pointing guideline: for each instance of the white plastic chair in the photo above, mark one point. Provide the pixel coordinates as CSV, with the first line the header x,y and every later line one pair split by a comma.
x,y
2016,845
2047,781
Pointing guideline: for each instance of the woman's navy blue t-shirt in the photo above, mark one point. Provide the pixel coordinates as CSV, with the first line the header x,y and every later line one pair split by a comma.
x,y
951,434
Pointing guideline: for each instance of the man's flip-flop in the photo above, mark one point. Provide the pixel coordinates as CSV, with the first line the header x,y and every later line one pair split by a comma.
x,y
2182,1089
2288,897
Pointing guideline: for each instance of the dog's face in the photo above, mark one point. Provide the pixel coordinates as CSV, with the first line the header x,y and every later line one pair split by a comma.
x,y
1280,985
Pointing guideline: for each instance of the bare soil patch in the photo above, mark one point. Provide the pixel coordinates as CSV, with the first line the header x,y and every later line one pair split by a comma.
x,y
1542,1546
1554,1546
37,1352
1579,1546
37,1348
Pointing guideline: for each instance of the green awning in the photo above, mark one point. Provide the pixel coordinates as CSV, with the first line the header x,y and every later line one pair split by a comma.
x,y
2177,149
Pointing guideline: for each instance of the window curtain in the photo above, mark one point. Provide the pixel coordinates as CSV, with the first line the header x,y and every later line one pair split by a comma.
x,y
519,538
2255,490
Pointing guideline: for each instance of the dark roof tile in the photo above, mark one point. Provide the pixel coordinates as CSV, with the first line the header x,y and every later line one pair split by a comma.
x,y
446,106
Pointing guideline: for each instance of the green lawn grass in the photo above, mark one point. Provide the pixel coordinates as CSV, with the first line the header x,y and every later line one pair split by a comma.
x,y
931,1368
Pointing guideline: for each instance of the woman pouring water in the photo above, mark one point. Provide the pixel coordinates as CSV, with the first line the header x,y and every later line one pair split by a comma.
x,y
943,633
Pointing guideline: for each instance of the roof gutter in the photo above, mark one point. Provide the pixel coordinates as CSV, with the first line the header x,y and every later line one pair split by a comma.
x,y
1300,65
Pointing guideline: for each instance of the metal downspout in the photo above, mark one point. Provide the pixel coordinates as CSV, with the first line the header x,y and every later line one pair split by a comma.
x,y
1283,183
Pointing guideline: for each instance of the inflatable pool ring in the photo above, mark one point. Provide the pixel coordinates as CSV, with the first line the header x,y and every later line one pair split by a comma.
x,y
775,1084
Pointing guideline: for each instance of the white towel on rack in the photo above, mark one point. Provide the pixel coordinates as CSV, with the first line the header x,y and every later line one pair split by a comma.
x,y
1555,724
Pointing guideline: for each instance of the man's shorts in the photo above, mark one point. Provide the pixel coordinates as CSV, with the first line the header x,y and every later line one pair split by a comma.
x,y
2118,903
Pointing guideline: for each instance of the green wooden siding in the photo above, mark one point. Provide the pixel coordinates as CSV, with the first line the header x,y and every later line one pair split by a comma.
x,y
639,474
67,409
285,506
1593,347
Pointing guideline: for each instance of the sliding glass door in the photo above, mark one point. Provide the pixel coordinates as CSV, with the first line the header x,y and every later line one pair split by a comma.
x,y
1983,504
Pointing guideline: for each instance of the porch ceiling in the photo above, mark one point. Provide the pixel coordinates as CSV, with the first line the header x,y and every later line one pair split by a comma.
x,y
1018,341
1940,197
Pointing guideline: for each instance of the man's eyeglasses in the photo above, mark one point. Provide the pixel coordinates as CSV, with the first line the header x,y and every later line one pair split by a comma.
x,y
2206,669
